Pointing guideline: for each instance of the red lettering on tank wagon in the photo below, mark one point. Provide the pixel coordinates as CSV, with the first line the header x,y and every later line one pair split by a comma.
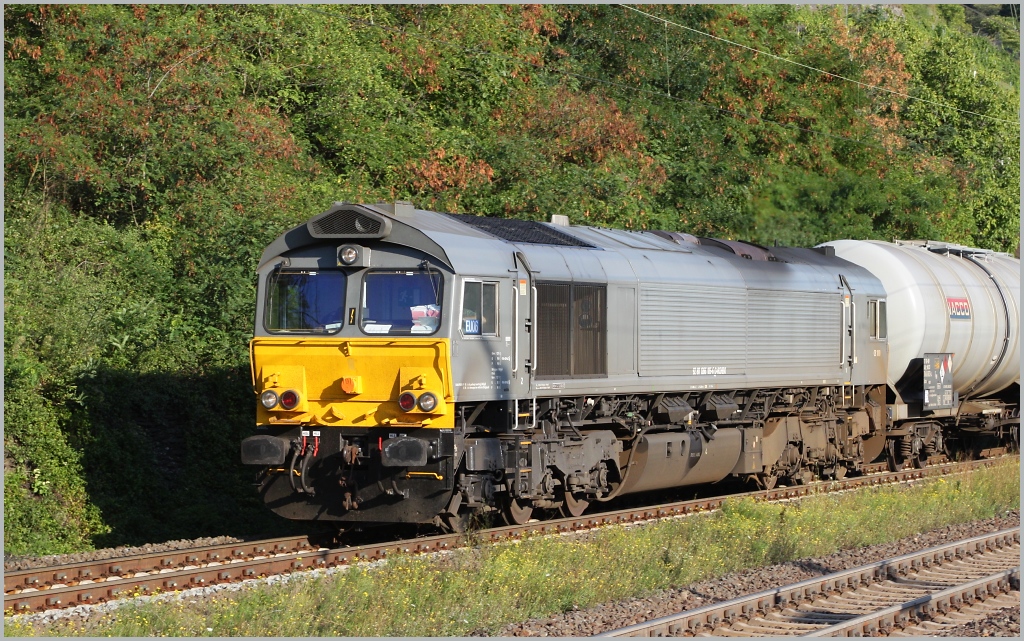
x,y
959,308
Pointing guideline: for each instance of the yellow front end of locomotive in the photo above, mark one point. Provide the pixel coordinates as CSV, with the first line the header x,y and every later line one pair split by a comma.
x,y
364,382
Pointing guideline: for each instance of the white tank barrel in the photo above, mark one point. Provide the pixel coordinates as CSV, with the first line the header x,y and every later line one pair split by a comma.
x,y
947,298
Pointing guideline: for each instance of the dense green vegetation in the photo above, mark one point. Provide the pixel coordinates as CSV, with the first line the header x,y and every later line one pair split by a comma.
x,y
540,576
151,151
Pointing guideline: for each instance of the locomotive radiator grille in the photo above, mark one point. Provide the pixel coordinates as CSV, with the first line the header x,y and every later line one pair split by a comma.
x,y
347,223
683,328
571,330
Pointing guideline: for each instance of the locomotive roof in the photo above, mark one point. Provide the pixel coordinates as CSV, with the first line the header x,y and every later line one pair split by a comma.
x,y
464,242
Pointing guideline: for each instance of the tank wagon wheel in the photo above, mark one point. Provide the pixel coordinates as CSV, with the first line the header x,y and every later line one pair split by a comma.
x,y
455,523
895,460
516,512
763,480
573,504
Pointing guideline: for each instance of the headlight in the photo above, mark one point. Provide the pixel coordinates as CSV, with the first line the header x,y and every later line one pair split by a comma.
x,y
289,399
268,398
348,255
407,401
428,402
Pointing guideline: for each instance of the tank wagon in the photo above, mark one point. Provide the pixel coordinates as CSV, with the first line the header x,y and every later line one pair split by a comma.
x,y
955,324
416,367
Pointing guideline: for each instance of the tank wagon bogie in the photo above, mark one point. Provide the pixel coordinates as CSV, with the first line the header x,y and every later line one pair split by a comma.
x,y
416,367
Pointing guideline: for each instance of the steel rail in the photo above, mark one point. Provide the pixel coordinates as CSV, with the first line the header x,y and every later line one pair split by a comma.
x,y
105,569
924,607
86,582
119,567
815,605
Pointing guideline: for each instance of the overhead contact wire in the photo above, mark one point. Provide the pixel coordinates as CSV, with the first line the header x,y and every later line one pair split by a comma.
x,y
360,22
616,85
809,67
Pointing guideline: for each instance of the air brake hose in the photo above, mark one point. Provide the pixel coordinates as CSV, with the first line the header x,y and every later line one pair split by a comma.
x,y
571,426
302,475
291,467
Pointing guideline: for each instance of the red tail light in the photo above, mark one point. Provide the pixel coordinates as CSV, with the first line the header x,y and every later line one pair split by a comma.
x,y
289,399
407,401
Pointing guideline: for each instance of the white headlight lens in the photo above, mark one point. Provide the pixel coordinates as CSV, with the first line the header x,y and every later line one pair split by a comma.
x,y
348,255
428,402
269,398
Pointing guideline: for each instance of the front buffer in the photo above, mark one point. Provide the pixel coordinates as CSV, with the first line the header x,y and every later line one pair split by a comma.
x,y
380,475
357,431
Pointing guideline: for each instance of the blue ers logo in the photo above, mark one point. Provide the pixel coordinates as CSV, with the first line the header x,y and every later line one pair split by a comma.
x,y
959,308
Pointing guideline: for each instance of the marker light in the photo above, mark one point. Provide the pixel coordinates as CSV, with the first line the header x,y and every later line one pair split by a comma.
x,y
268,398
289,399
407,401
428,402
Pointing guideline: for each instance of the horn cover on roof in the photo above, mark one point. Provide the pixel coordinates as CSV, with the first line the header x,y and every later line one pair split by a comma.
x,y
349,221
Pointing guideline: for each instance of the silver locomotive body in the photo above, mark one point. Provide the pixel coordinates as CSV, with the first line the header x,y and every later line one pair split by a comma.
x,y
567,365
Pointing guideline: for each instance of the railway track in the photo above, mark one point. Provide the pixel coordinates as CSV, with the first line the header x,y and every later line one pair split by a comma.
x,y
911,595
90,582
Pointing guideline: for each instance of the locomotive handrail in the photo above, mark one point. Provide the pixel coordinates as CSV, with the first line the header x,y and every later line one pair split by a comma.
x,y
252,363
515,330
842,333
853,334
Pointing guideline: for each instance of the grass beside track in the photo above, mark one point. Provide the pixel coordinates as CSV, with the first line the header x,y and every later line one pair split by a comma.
x,y
486,587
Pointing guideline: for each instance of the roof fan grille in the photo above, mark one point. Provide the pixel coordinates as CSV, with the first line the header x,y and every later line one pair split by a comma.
x,y
346,223
521,231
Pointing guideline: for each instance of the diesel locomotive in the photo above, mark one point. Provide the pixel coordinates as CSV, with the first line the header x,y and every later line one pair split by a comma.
x,y
412,366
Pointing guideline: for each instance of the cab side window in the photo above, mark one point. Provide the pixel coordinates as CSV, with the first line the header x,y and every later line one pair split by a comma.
x,y
876,319
479,309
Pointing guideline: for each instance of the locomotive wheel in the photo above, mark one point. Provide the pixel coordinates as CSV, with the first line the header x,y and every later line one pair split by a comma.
x,y
572,504
516,512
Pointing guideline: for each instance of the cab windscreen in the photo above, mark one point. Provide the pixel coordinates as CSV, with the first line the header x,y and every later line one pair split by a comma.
x,y
401,302
305,301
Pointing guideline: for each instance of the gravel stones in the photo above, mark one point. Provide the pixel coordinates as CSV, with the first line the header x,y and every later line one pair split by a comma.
x,y
1002,623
